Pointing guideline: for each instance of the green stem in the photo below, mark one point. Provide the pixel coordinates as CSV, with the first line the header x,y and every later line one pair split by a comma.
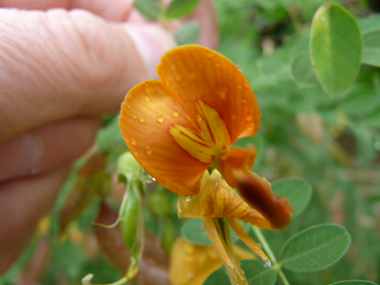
x,y
265,244
269,252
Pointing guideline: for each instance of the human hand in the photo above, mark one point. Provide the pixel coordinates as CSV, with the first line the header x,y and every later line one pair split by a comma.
x,y
61,69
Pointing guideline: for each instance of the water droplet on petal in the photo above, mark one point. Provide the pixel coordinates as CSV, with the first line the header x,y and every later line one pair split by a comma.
x,y
129,106
218,65
221,90
141,119
240,87
233,117
160,119
209,53
146,99
146,176
175,114
248,117
134,116
148,150
133,141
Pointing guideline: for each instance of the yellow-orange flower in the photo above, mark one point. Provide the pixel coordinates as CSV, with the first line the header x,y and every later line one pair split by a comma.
x,y
190,264
179,126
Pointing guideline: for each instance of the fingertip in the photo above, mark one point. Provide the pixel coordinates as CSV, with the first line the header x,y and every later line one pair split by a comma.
x,y
151,42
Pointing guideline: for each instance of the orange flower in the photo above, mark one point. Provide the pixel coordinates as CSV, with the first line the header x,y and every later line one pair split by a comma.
x,y
178,127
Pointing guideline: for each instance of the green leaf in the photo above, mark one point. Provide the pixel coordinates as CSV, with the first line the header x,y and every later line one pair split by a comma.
x,y
302,71
373,119
370,28
335,48
296,190
255,272
354,282
192,230
258,142
128,220
315,248
188,34
148,8
180,8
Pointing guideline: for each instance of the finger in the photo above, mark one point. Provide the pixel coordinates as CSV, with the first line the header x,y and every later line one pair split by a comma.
x,y
205,15
58,64
112,10
46,147
22,203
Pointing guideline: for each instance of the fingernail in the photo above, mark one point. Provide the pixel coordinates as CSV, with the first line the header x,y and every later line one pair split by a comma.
x,y
20,156
151,42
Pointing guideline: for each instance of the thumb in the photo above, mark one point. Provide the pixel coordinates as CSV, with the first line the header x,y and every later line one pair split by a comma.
x,y
58,64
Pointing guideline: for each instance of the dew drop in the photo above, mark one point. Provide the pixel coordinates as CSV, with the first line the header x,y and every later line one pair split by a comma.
x,y
146,99
134,116
233,117
148,150
240,87
218,65
133,141
141,119
145,109
175,114
129,106
160,119
209,53
221,91
146,176
248,117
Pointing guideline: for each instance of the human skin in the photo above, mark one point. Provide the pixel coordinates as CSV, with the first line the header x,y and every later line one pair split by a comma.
x,y
64,64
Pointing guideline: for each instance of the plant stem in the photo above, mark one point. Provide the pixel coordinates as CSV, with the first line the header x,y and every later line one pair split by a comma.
x,y
265,244
269,252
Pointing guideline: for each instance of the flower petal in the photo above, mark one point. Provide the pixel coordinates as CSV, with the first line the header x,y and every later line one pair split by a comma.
x,y
147,115
223,247
196,73
257,193
244,237
215,200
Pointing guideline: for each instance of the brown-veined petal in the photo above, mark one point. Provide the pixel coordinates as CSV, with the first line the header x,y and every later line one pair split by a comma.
x,y
215,200
257,192
148,112
195,73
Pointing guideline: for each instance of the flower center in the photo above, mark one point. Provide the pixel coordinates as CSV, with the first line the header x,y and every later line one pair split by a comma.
x,y
209,140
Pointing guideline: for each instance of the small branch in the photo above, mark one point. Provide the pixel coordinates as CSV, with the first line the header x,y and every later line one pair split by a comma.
x,y
269,252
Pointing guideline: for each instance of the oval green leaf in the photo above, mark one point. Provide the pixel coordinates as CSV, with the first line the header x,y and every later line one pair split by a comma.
x,y
296,190
192,230
370,28
148,8
353,282
335,48
188,34
255,272
180,8
315,248
302,71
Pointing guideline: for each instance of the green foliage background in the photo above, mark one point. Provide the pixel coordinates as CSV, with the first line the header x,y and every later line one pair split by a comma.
x,y
331,141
